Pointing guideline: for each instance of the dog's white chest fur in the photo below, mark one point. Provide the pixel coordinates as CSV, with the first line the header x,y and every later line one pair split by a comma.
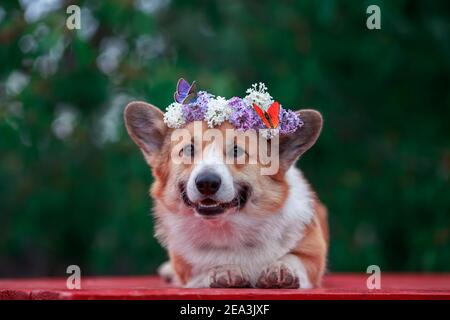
x,y
249,242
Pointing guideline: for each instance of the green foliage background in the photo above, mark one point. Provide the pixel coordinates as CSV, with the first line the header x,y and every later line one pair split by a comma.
x,y
73,187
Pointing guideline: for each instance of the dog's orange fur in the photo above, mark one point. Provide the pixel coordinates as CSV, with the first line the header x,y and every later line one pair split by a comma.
x,y
312,249
181,267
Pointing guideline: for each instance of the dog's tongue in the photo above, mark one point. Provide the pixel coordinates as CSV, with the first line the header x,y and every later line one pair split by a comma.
x,y
208,202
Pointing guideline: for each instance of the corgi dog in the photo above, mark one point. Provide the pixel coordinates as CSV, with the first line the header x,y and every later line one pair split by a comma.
x,y
225,225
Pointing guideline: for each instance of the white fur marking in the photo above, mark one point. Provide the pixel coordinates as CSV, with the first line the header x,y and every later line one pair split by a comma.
x,y
212,161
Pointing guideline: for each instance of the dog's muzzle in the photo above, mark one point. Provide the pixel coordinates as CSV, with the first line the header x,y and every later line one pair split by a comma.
x,y
208,207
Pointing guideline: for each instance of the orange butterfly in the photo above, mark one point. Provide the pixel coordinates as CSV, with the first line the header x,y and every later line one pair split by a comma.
x,y
271,117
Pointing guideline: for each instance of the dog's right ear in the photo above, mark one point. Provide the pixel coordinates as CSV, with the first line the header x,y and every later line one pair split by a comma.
x,y
293,145
145,125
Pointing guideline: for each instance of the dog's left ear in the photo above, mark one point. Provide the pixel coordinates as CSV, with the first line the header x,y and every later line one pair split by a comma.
x,y
292,146
145,125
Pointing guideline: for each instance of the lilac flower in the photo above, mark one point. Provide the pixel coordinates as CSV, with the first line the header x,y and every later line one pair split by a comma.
x,y
290,121
196,110
174,117
243,117
258,94
218,111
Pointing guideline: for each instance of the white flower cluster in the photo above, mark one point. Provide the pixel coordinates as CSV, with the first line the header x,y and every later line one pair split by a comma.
x,y
258,94
218,111
269,133
174,116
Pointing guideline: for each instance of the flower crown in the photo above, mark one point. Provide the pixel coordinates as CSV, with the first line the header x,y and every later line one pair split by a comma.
x,y
257,110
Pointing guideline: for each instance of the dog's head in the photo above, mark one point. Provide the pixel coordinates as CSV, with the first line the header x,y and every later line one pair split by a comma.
x,y
192,167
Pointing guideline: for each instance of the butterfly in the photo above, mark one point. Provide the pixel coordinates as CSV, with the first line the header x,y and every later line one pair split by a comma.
x,y
185,93
271,117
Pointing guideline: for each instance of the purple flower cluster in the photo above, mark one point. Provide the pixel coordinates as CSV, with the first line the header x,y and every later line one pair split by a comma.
x,y
243,116
196,110
289,121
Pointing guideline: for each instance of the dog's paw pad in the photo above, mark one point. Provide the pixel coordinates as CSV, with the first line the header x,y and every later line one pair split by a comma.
x,y
229,276
278,275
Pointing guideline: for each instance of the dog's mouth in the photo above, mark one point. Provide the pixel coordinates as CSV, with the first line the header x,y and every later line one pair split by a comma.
x,y
209,207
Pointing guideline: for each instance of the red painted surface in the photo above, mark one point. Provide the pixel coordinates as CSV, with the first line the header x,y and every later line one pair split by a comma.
x,y
335,286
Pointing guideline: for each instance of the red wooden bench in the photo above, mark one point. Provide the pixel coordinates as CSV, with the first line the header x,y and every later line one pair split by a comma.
x,y
335,286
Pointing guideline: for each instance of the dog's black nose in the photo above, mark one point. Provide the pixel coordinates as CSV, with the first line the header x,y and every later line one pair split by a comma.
x,y
207,183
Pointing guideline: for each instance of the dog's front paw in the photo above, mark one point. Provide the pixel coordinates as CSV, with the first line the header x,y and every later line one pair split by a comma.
x,y
278,275
166,271
228,276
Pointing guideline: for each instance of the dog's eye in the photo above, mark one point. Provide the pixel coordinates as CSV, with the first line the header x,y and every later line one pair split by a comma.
x,y
188,150
237,151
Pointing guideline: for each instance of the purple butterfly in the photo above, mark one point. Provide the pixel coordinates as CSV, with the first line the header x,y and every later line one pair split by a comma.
x,y
185,93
